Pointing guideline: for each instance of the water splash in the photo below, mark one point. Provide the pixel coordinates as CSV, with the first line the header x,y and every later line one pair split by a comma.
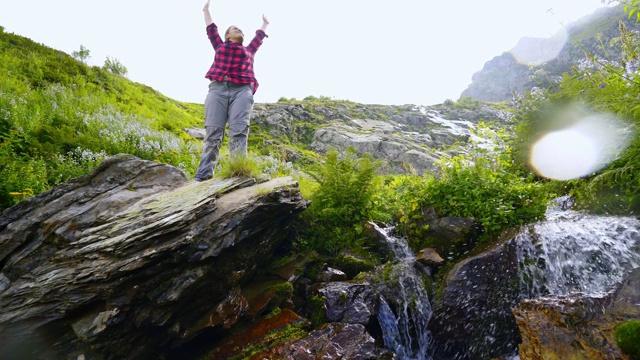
x,y
405,331
576,252
398,246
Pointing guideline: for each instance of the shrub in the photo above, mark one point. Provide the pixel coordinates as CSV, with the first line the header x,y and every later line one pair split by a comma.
x,y
627,337
115,66
602,86
483,185
239,166
341,201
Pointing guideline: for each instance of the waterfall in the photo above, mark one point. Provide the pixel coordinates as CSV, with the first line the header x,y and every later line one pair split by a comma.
x,y
405,331
575,252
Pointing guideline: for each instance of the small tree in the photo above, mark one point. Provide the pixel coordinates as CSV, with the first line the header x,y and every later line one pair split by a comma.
x,y
81,55
115,66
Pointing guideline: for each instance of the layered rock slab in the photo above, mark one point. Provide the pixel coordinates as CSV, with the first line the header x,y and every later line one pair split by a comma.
x,y
133,258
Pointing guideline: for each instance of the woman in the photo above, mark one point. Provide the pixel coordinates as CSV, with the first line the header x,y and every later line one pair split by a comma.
x,y
230,97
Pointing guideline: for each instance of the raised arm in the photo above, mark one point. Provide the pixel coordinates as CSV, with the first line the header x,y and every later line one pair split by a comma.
x,y
265,23
212,29
260,35
207,14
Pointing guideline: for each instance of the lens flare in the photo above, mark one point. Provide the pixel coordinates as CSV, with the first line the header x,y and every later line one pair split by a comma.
x,y
564,155
585,144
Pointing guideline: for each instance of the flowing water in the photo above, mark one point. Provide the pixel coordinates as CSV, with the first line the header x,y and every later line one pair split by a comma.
x,y
405,330
576,252
568,252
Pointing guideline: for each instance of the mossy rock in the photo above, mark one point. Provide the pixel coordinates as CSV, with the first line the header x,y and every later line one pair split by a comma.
x,y
628,338
353,264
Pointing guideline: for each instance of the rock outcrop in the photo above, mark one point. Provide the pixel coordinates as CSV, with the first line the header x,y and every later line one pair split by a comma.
x,y
133,259
577,326
499,79
409,139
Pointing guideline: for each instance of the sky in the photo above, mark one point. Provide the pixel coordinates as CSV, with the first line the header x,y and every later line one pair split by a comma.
x,y
368,51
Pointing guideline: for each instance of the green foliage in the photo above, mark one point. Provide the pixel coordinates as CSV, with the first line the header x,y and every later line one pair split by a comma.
x,y
600,86
353,265
632,7
341,202
115,66
318,310
627,337
238,166
82,55
59,118
483,185
319,98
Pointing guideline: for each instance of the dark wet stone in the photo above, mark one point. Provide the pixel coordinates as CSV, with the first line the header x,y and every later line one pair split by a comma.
x,y
347,302
472,318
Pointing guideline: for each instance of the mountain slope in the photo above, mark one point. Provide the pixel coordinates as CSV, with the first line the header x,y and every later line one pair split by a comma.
x,y
504,75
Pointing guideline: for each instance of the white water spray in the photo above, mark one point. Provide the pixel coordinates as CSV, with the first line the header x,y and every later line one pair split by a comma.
x,y
575,252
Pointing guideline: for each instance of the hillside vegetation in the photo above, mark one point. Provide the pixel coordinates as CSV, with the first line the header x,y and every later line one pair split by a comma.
x,y
60,118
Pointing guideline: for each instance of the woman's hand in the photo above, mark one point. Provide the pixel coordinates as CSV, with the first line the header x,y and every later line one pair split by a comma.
x,y
207,14
265,22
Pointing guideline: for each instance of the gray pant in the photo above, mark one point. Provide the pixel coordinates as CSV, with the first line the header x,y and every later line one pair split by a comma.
x,y
225,102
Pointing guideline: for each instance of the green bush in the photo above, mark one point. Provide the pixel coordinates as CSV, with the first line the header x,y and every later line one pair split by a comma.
x,y
627,337
483,186
115,66
239,166
341,202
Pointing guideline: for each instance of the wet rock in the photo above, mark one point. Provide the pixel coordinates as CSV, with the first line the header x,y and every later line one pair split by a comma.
x,y
429,257
472,318
134,259
265,294
451,237
331,274
347,302
291,269
331,341
353,264
577,326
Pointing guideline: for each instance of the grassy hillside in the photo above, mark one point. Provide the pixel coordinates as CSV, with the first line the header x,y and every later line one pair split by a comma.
x,y
60,117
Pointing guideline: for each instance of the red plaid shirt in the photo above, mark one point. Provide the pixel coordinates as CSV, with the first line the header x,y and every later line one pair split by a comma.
x,y
233,60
